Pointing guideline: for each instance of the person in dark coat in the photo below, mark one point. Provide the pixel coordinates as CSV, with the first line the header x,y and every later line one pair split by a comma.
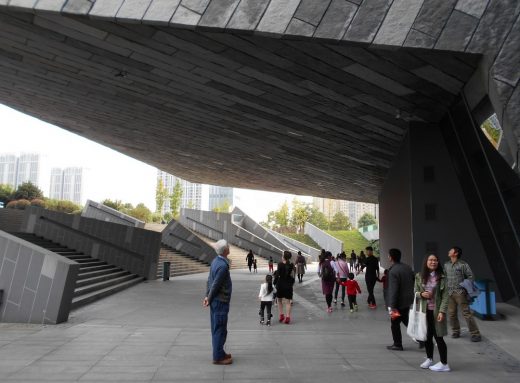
x,y
371,276
284,282
328,279
401,281
250,258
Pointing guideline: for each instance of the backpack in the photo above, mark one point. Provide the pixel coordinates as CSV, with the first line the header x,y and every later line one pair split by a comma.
x,y
327,274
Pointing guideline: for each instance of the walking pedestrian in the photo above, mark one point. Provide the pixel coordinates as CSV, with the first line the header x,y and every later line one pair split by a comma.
x,y
353,257
431,288
218,297
250,258
341,276
271,265
328,278
352,290
266,297
401,280
457,271
361,261
371,276
284,282
301,266
255,266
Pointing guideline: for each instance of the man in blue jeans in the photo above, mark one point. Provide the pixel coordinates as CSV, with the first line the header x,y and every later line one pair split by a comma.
x,y
218,296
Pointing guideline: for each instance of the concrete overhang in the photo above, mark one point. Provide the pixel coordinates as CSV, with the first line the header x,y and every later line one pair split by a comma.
x,y
307,97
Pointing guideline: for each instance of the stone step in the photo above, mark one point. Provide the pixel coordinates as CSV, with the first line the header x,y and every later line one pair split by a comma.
x,y
94,273
104,292
95,262
101,278
102,285
86,269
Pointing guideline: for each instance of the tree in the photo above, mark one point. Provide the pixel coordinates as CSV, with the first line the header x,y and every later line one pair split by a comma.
x,y
161,193
222,208
340,222
300,214
141,212
117,204
175,199
318,219
28,191
282,216
366,219
168,216
6,193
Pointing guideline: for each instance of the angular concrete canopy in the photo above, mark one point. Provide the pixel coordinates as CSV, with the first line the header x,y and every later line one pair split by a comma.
x,y
302,96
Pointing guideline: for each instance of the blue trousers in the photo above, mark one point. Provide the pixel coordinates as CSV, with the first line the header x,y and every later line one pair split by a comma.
x,y
219,318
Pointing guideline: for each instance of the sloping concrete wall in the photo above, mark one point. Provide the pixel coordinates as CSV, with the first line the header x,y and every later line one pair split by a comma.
x,y
291,243
133,249
221,226
180,238
326,241
37,284
104,213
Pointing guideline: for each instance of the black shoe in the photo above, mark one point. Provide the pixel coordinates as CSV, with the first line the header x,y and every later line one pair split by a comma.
x,y
261,321
421,344
476,338
455,335
394,348
268,323
342,304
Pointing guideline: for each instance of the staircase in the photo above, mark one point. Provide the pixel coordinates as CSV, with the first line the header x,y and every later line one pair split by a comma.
x,y
96,278
237,255
180,263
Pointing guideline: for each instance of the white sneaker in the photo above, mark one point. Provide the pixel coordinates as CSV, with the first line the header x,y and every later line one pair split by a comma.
x,y
427,363
439,367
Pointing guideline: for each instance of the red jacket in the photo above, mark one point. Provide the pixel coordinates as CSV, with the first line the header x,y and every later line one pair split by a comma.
x,y
352,287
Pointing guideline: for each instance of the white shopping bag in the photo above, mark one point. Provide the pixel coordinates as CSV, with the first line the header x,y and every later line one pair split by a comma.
x,y
417,327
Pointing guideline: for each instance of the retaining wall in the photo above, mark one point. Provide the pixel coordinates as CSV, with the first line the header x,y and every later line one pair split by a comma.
x,y
37,284
107,214
326,241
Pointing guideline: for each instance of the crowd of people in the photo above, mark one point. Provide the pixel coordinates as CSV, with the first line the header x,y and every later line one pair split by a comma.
x,y
439,291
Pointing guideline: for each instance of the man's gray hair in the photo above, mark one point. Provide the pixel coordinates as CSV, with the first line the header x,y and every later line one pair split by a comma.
x,y
221,246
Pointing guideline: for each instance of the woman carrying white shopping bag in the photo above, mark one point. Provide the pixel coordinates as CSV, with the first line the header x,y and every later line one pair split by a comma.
x,y
431,289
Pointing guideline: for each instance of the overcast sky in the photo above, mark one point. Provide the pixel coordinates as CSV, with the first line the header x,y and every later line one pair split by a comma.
x,y
110,173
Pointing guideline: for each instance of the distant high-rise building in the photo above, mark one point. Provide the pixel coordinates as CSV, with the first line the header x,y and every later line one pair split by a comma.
x,y
352,209
194,196
67,184
8,169
15,170
219,196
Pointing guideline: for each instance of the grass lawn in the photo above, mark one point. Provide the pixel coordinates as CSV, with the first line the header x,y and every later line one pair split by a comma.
x,y
352,239
304,238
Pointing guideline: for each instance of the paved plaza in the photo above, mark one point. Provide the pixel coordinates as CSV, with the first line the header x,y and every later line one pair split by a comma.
x,y
158,332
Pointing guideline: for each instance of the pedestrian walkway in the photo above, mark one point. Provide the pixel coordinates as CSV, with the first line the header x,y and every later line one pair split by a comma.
x,y
158,332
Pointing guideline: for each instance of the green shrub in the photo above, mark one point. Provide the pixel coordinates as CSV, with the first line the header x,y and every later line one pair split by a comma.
x,y
11,205
157,218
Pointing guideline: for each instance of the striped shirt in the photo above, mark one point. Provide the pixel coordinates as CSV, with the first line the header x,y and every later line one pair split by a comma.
x,y
455,274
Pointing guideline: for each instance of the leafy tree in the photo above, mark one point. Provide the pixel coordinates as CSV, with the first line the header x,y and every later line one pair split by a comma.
x,y
271,219
141,212
175,199
318,219
157,217
27,191
190,204
300,214
282,216
6,193
161,193
117,204
222,208
366,219
168,216
340,222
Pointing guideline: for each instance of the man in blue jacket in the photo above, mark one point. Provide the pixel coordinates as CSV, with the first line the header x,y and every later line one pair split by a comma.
x,y
218,297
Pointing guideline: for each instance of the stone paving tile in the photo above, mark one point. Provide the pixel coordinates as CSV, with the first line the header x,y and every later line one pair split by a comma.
x,y
317,347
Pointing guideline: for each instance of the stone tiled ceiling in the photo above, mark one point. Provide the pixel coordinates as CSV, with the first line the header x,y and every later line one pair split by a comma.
x,y
305,117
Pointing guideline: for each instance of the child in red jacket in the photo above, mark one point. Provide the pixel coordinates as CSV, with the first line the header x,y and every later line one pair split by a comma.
x,y
352,290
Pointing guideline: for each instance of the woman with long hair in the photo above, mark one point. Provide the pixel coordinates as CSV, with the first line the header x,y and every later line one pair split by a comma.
x,y
284,278
432,290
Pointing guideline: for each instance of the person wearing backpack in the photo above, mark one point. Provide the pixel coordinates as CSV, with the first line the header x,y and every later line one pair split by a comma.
x,y
284,281
328,279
